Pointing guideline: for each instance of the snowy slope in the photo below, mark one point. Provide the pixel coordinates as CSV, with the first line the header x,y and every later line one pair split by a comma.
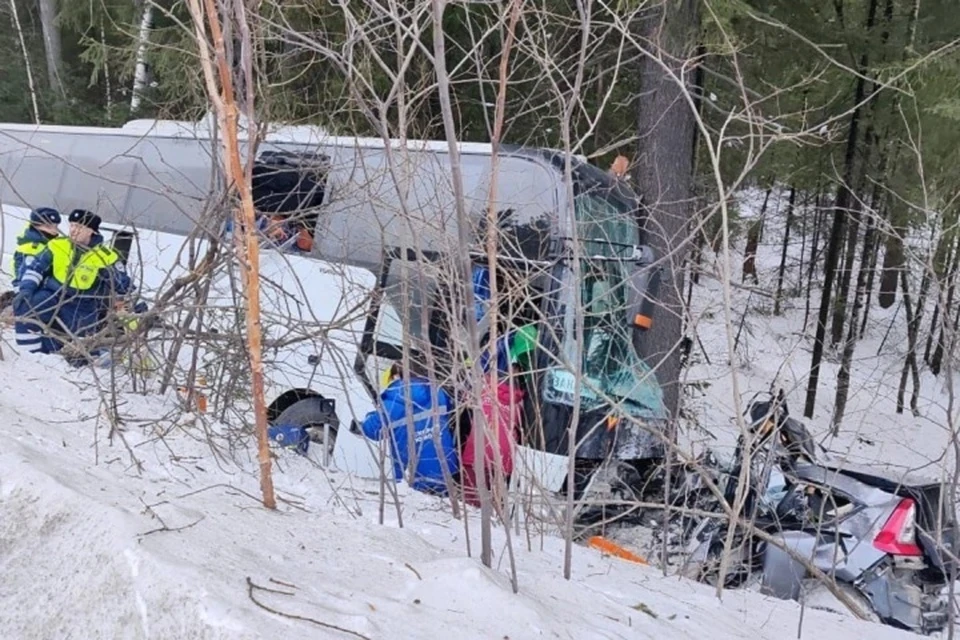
x,y
157,537
82,554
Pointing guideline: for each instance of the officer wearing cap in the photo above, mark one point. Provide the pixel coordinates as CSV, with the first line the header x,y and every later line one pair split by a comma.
x,y
43,227
70,286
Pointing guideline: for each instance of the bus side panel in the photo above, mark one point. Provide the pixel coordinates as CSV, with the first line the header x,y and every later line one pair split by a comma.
x,y
32,167
157,183
170,182
530,189
401,200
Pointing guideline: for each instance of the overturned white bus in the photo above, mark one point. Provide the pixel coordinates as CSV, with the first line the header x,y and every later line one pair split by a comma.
x,y
388,210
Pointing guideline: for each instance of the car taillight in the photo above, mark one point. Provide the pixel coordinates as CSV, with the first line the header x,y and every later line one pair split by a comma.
x,y
899,534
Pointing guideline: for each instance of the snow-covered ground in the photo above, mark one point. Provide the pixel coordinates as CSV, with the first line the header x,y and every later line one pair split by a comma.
x,y
91,546
158,533
775,350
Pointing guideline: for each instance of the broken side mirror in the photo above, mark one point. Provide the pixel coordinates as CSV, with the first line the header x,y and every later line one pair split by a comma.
x,y
643,289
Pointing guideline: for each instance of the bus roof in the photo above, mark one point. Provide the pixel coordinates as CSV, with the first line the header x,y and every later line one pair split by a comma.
x,y
276,133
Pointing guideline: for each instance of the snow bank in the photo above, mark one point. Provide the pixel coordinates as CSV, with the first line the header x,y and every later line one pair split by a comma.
x,y
93,546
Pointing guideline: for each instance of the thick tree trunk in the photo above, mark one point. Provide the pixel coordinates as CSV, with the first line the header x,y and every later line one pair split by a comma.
x,y
697,258
871,139
845,275
843,377
750,253
925,283
830,270
783,251
871,252
936,360
666,125
871,239
935,319
928,348
666,130
890,273
52,47
893,251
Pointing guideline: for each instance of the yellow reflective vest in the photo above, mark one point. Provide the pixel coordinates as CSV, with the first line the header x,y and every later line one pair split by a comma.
x,y
26,248
83,274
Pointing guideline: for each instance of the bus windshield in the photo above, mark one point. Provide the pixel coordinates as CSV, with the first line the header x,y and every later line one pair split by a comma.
x,y
610,368
605,226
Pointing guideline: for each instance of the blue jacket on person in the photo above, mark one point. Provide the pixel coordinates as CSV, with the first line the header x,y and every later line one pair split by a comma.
x,y
428,475
71,284
30,244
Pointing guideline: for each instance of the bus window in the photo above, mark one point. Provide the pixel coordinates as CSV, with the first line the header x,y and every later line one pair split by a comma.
x,y
288,190
519,236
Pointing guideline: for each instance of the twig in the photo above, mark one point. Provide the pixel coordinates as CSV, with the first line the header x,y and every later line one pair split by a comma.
x,y
285,584
292,503
415,572
269,590
141,536
326,625
214,486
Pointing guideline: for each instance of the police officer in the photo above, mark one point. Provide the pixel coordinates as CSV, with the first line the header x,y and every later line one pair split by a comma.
x,y
69,287
43,227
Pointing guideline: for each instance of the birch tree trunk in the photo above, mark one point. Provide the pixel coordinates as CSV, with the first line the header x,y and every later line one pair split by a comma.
x,y
52,47
15,17
140,73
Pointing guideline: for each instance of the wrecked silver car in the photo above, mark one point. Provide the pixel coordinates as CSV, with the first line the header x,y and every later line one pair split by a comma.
x,y
830,535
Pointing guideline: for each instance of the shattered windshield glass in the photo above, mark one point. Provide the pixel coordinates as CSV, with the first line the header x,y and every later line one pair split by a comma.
x,y
610,366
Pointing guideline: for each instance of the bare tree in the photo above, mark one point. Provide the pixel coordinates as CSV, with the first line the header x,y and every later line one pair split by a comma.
x,y
15,17
238,178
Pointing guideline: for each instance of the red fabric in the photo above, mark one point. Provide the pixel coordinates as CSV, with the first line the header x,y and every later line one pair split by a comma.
x,y
508,407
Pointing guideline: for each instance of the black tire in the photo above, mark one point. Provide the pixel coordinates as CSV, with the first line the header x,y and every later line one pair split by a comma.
x,y
310,413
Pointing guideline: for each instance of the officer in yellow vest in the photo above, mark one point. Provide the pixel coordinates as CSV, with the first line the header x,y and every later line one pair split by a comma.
x,y
42,228
70,287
